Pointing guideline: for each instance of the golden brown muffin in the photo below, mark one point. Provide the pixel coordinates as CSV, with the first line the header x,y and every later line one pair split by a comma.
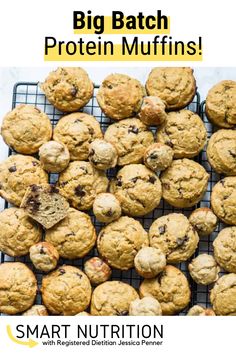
x,y
17,173
221,151
120,96
36,310
119,242
77,131
131,138
112,298
220,104
152,111
26,128
204,269
137,188
97,270
66,291
80,182
225,249
102,154
106,208
184,183
147,306
54,156
18,288
223,295
184,132
68,89
203,220
44,256
223,200
74,236
149,262
170,288
175,86
158,157
175,236
200,311
17,232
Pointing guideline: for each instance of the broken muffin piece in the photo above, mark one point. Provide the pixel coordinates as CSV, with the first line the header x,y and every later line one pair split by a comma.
x,y
44,204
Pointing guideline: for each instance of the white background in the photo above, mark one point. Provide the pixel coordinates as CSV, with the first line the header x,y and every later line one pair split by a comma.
x,y
25,23
23,26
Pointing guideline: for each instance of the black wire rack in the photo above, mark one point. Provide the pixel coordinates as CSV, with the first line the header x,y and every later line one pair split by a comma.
x,y
30,93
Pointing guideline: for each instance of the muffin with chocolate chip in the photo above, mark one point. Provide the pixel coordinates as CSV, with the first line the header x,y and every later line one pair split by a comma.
x,y
76,131
131,137
106,207
120,96
102,154
174,236
158,157
44,256
137,188
152,111
68,89
66,291
97,270
26,128
17,173
80,182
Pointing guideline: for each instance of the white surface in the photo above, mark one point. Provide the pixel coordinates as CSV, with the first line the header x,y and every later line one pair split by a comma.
x,y
205,77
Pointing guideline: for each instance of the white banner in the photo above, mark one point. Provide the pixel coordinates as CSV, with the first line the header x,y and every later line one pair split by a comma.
x,y
117,334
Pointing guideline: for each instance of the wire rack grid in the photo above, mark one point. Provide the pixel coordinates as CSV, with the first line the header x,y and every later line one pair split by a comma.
x,y
30,93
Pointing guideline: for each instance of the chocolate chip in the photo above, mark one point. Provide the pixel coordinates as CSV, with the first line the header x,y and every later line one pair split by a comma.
x,y
61,271
162,229
33,204
74,91
79,143
84,169
122,313
119,182
153,156
77,121
70,234
169,143
53,189
35,163
134,180
79,275
63,184
12,169
42,250
92,152
91,130
152,179
181,241
110,87
133,129
222,182
79,191
34,188
233,154
109,213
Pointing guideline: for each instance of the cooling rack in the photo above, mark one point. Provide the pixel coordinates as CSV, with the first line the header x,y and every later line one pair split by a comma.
x,y
30,93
